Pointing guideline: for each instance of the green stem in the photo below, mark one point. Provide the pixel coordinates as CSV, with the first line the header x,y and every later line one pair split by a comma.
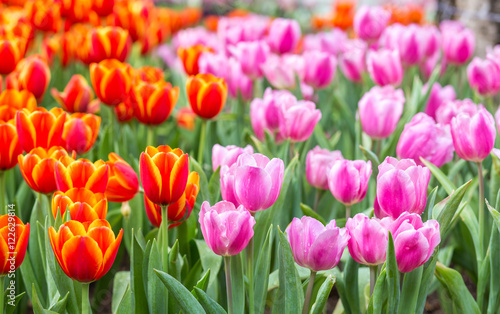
x,y
164,243
151,136
378,148
373,277
229,289
85,299
3,202
2,293
316,199
201,147
482,217
347,212
250,276
292,150
310,286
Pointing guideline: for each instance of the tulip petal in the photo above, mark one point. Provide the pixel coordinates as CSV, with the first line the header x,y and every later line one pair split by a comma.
x,y
83,258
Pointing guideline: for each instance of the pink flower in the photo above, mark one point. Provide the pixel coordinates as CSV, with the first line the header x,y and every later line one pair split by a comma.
x,y
280,71
238,83
319,68
369,237
473,134
297,119
422,137
458,42
411,47
401,187
437,97
227,156
318,164
251,55
264,112
226,229
390,38
331,41
231,31
284,35
348,180
450,109
370,22
213,63
315,246
484,76
380,110
352,60
385,67
227,178
414,241
196,36
430,39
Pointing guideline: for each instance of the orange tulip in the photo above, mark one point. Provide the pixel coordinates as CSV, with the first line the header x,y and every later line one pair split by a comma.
x,y
10,148
124,111
83,204
82,173
44,15
12,254
10,54
164,174
185,118
85,251
207,94
189,57
80,132
111,81
109,43
153,102
76,11
12,100
40,128
103,7
176,211
123,183
77,96
38,167
32,74
149,74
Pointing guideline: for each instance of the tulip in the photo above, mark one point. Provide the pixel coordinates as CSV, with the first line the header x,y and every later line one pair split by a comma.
x,y
484,76
251,55
283,35
38,167
437,97
370,22
314,245
319,162
319,68
124,111
85,251
123,183
225,228
214,63
190,56
368,242
164,173
103,7
458,43
430,39
111,80
13,242
423,138
385,67
411,47
297,119
206,94
153,102
75,11
77,96
380,110
82,173
11,53
280,71
179,211
227,156
80,132
237,82
414,241
473,134
401,187
32,74
352,61
149,74
83,204
44,15
185,118
10,148
452,108
41,128
109,43
12,101
332,41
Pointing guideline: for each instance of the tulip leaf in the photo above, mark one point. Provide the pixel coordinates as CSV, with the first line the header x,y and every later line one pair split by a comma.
x,y
373,158
210,306
238,283
205,193
323,294
137,292
431,200
320,136
454,285
308,211
60,306
392,276
125,305
341,288
214,186
175,261
440,176
11,308
185,299
494,250
262,272
380,294
426,281
452,204
410,290
351,285
121,284
192,276
290,297
432,79
203,282
156,290
35,301
106,144
209,260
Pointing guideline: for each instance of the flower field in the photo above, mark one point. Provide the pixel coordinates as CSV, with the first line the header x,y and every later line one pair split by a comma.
x,y
246,158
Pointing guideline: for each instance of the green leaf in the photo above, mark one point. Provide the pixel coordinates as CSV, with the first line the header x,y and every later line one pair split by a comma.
x,y
453,283
175,261
494,249
29,276
205,193
427,277
373,158
203,282
351,285
209,260
392,276
121,284
323,294
192,276
137,293
11,309
60,306
440,176
445,216
430,203
380,294
409,293
308,211
210,306
238,284
156,290
214,187
35,301
432,79
125,305
261,279
185,299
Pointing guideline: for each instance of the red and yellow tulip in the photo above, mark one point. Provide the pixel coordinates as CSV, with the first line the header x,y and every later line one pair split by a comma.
x,y
82,173
77,96
12,253
123,183
109,43
111,81
83,204
31,74
10,148
40,128
12,100
190,56
153,102
80,132
207,94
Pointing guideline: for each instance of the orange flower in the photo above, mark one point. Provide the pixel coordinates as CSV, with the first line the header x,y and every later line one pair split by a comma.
x,y
83,204
10,53
12,254
10,148
149,74
123,183
32,74
207,94
77,96
40,128
153,102
44,15
82,173
185,118
12,100
176,211
103,7
80,132
164,174
38,167
76,11
111,81
211,22
189,57
124,111
85,251
109,43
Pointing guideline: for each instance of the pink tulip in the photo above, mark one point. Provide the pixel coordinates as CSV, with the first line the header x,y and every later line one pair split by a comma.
x,y
385,67
315,246
264,112
369,237
352,60
297,119
214,63
280,71
429,65
422,137
437,97
196,36
484,76
331,41
227,156
458,42
231,31
348,180
414,241
430,39
284,35
227,179
318,164
493,54
319,68
411,47
391,37
251,55
473,134
370,22
450,109
401,187
226,229
237,82
380,110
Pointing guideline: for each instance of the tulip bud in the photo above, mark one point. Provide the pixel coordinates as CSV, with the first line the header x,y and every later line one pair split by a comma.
x,y
207,94
77,96
185,118
452,108
348,180
484,76
32,74
109,43
385,67
318,164
319,68
297,119
458,42
111,81
153,102
123,183
284,35
125,210
10,148
11,53
370,22
352,60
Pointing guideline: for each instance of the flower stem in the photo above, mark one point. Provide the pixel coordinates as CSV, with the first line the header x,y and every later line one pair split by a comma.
x,y
347,212
229,289
201,147
482,217
373,277
250,277
3,202
292,150
85,299
317,196
151,136
310,286
164,243
2,293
